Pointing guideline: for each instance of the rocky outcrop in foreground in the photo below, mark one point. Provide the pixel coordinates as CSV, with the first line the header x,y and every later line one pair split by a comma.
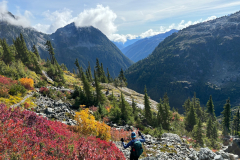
x,y
170,146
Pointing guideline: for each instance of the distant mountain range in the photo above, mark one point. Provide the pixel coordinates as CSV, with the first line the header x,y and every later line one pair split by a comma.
x,y
143,47
202,58
71,42
122,45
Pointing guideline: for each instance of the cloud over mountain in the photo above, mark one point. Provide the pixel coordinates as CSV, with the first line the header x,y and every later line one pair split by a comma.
x,y
18,20
101,17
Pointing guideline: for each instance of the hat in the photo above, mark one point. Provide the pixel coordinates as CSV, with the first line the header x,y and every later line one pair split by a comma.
x,y
133,134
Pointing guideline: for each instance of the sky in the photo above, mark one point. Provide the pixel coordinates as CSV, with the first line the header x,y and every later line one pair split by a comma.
x,y
118,20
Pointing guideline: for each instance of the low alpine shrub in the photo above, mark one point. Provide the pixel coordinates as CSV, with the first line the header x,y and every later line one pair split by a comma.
x,y
17,88
24,135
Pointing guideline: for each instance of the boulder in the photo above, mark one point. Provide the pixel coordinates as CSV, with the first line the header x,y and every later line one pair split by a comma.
x,y
49,111
218,157
206,154
171,136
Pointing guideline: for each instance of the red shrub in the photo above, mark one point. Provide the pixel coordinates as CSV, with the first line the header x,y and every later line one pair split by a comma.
x,y
43,89
93,108
5,85
106,119
7,81
26,135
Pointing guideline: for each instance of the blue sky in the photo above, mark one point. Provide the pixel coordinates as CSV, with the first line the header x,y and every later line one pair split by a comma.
x,y
119,20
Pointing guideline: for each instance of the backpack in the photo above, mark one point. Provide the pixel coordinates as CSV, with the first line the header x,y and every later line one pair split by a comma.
x,y
137,149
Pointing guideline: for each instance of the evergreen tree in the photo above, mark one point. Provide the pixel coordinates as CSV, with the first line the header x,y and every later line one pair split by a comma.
x,y
24,50
102,110
197,107
63,67
109,78
209,128
226,117
99,95
198,132
103,76
8,56
37,67
89,73
187,106
98,69
210,108
133,106
148,112
35,51
166,113
116,82
80,70
50,51
191,119
160,113
123,108
87,88
215,132
122,78
18,46
236,123
126,110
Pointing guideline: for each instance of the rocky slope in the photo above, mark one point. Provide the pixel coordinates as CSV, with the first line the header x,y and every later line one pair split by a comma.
x,y
201,58
142,48
171,146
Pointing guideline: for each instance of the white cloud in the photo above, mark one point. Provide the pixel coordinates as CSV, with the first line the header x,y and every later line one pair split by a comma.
x,y
58,19
100,17
20,20
180,26
122,38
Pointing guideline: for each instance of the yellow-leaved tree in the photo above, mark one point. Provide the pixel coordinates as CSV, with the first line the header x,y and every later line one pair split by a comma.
x,y
87,125
28,83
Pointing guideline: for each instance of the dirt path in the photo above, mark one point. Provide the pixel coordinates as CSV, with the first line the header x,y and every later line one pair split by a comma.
x,y
23,100
48,78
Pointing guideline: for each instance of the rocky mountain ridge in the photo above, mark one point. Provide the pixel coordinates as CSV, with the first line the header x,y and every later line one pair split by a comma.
x,y
201,58
71,42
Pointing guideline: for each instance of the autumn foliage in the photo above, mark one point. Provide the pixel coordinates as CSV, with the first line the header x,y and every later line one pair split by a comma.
x,y
24,135
28,83
5,85
87,125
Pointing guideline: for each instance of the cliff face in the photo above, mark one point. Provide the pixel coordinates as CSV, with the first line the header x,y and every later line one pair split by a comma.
x,y
202,58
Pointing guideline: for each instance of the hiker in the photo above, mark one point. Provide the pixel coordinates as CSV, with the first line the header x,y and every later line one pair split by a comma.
x,y
136,145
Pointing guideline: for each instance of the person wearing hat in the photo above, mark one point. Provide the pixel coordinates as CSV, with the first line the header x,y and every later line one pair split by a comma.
x,y
131,143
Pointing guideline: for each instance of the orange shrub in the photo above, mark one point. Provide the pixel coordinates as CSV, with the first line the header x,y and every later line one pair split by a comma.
x,y
108,108
87,125
28,83
26,105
